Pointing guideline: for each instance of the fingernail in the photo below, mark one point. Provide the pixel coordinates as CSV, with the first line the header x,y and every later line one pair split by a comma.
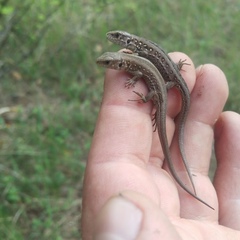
x,y
119,219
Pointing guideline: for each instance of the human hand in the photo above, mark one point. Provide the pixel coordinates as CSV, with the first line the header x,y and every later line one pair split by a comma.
x,y
128,191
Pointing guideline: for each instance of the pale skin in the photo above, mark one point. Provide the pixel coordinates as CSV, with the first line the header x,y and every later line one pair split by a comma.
x,y
127,177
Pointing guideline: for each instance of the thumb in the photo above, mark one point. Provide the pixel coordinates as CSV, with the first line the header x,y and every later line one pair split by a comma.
x,y
131,215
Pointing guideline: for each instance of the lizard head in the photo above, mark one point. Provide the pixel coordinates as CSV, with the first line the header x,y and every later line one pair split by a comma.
x,y
111,60
123,39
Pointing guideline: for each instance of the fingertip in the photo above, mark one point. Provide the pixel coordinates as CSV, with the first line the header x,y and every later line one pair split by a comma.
x,y
188,69
115,92
227,132
209,95
188,74
217,80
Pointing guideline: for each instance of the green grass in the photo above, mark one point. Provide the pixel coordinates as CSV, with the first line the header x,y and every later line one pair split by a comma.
x,y
55,93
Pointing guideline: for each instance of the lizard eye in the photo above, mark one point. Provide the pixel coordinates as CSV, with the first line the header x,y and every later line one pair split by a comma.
x,y
107,62
128,41
120,65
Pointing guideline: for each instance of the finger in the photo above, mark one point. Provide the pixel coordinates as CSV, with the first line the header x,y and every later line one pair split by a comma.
x,y
206,106
226,180
120,149
189,75
132,216
121,119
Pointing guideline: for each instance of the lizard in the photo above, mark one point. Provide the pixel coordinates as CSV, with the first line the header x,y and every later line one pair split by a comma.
x,y
142,68
170,72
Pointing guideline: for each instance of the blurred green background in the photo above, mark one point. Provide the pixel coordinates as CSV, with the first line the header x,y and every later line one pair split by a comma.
x,y
51,88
